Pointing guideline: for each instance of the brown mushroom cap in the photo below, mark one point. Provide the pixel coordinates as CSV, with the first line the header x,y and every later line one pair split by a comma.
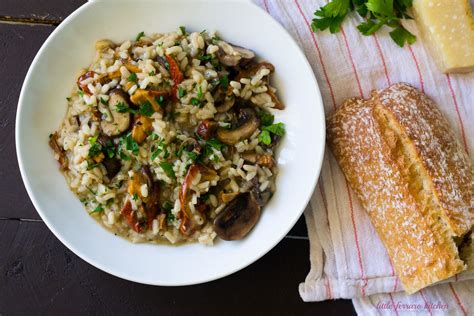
x,y
238,218
119,122
231,55
250,124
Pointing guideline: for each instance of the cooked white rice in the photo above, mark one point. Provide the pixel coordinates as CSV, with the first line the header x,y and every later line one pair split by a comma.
x,y
170,147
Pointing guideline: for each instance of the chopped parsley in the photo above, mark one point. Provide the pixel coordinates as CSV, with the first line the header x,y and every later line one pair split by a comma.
x,y
160,147
195,101
98,209
215,39
200,94
167,206
183,30
135,196
160,100
123,107
140,35
95,148
131,144
224,81
103,101
170,217
266,118
146,109
133,77
181,92
206,58
168,169
109,148
152,73
80,93
276,129
68,99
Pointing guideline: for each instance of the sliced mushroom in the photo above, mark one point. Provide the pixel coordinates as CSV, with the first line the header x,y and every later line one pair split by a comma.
x,y
141,128
61,155
112,164
119,122
224,99
249,122
265,160
252,69
226,105
238,218
231,55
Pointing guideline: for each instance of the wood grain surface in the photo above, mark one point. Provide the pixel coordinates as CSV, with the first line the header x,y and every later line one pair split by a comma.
x,y
38,275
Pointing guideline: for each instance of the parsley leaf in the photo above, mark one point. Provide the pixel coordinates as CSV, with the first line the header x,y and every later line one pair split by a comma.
x,y
224,81
130,144
133,77
384,7
276,129
200,94
122,107
377,13
95,148
170,217
369,27
181,92
146,109
401,36
140,35
266,118
194,101
160,100
103,101
168,169
265,137
98,209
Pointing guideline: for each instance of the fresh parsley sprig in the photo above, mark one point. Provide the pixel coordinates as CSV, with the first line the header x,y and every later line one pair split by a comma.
x,y
376,12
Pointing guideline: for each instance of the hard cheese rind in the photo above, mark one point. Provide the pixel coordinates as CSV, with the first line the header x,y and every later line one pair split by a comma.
x,y
448,27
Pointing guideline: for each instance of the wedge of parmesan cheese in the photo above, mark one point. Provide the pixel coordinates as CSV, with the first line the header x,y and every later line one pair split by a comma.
x,y
448,27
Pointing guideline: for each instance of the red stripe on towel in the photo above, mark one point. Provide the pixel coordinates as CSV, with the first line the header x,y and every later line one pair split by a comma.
x,y
457,299
426,302
352,62
383,60
422,83
356,237
393,303
315,43
455,100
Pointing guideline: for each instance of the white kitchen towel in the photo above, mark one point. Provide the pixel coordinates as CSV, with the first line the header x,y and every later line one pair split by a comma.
x,y
347,258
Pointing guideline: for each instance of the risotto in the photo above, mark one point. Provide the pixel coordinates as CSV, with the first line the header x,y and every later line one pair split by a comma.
x,y
171,138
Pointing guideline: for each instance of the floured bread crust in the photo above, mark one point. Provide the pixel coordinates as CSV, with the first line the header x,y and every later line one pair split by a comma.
x,y
412,177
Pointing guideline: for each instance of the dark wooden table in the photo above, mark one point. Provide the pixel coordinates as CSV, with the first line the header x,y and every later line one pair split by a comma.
x,y
38,275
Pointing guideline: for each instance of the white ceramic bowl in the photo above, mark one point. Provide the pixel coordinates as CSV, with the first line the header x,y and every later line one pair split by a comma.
x,y
42,106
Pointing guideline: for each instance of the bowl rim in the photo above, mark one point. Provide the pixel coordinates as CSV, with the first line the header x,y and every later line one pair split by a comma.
x,y
76,250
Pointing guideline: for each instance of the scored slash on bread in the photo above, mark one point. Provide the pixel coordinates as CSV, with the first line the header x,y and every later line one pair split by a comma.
x,y
413,178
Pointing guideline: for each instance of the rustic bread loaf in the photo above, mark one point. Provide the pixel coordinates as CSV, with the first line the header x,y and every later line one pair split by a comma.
x,y
413,178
